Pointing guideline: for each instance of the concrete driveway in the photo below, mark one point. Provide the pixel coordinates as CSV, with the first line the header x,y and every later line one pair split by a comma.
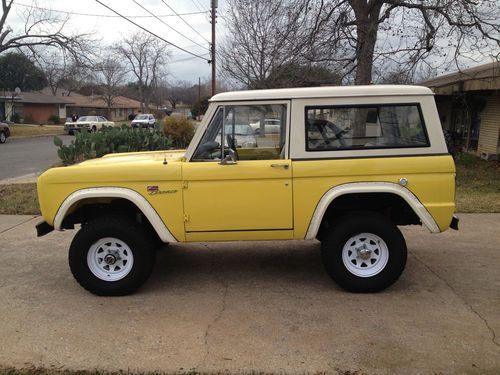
x,y
257,307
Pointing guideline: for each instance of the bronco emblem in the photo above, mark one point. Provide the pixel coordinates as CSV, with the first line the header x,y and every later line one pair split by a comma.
x,y
154,190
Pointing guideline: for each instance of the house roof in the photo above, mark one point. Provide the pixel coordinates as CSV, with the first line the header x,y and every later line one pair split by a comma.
x,y
482,77
322,92
96,102
39,98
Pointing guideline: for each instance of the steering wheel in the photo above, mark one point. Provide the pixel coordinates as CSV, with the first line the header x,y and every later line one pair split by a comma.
x,y
232,144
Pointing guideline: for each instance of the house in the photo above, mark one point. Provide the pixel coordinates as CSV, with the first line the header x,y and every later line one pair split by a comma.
x,y
32,107
41,107
469,105
87,105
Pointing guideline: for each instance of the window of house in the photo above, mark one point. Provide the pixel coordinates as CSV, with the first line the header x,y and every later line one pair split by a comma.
x,y
249,132
364,127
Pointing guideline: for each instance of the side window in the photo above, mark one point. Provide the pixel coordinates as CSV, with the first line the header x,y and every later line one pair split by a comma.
x,y
252,132
209,148
355,127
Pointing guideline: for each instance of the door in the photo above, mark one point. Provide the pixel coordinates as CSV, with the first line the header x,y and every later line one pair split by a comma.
x,y
238,180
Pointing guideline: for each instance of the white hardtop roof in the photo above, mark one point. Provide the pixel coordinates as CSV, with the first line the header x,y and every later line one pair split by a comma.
x,y
322,92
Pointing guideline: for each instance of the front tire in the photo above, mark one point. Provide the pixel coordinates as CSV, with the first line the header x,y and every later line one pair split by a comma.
x,y
364,253
3,137
111,256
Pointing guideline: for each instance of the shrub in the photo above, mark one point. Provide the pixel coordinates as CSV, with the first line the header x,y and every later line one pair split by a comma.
x,y
55,119
110,140
15,118
180,130
28,119
199,108
158,114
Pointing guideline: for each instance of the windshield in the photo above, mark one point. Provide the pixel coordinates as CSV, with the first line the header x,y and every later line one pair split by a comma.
x,y
141,117
239,129
85,118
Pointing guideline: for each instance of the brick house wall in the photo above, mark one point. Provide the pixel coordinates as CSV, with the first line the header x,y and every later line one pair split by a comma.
x,y
40,113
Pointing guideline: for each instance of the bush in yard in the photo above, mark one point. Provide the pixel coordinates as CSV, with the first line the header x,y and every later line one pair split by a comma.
x,y
110,140
199,108
15,118
28,119
179,129
54,119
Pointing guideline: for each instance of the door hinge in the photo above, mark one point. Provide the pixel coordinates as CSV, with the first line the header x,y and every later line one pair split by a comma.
x,y
186,218
184,184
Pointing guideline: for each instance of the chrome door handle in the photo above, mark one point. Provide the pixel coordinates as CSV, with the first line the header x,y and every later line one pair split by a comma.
x,y
286,166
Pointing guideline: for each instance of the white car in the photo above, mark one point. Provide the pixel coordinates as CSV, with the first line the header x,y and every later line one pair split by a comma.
x,y
271,126
89,123
144,120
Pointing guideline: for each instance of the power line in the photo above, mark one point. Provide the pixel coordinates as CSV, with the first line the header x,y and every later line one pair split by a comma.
x,y
200,7
170,27
152,33
104,15
186,59
183,20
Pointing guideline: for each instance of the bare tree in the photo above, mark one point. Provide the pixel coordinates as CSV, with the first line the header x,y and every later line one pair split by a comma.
x,y
42,28
181,91
350,37
110,76
76,76
262,37
54,63
146,57
405,33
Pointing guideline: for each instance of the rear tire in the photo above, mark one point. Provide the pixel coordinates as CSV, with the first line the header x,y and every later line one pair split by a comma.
x,y
111,256
364,253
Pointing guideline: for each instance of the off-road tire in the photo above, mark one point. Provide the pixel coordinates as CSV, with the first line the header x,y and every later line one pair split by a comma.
x,y
338,246
124,229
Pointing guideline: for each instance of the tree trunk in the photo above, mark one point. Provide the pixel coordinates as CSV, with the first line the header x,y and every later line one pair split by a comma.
x,y
367,16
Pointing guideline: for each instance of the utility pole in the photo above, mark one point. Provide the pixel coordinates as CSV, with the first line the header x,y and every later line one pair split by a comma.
x,y
214,7
199,89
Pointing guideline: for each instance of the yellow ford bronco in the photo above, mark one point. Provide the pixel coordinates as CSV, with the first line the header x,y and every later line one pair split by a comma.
x,y
343,165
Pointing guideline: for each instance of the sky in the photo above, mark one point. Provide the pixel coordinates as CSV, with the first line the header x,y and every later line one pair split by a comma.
x,y
182,66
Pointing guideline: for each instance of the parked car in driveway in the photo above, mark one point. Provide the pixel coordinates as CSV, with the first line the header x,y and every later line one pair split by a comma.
x,y
144,120
89,123
348,166
4,132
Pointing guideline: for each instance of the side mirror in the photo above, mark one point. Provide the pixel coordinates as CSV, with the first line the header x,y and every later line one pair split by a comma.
x,y
230,159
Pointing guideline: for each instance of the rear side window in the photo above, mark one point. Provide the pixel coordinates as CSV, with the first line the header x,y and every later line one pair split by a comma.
x,y
331,128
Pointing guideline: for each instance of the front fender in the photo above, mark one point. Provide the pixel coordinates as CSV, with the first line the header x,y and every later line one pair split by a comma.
x,y
115,192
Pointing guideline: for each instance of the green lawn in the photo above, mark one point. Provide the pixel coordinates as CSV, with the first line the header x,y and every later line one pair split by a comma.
x,y
478,189
478,184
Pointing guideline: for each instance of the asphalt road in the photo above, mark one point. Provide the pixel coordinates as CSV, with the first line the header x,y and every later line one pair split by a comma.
x,y
26,158
256,307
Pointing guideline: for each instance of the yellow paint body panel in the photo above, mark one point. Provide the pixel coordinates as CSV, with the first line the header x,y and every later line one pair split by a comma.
x,y
133,171
430,178
247,196
252,200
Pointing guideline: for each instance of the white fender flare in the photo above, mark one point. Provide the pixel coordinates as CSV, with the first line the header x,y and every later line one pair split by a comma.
x,y
369,187
116,192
